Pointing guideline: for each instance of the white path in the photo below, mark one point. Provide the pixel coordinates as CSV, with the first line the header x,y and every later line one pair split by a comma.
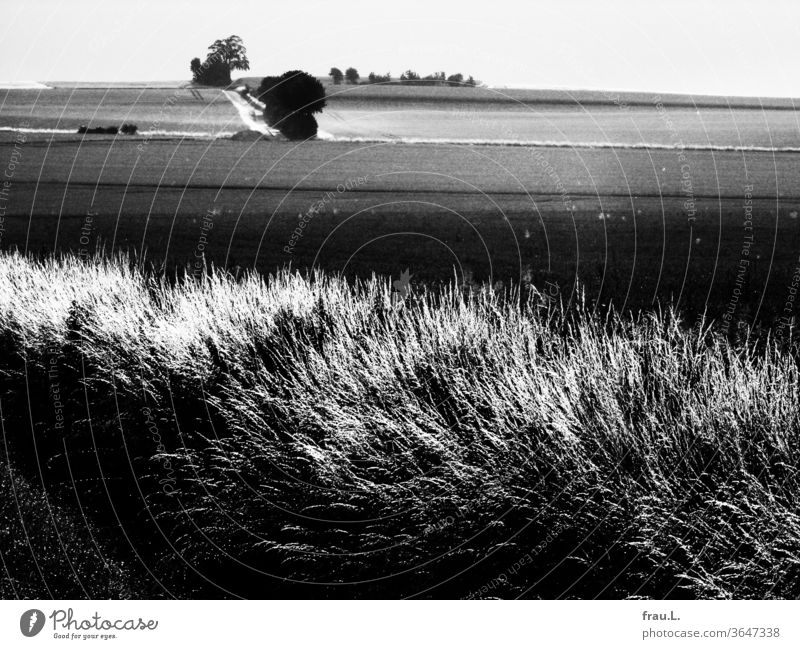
x,y
249,113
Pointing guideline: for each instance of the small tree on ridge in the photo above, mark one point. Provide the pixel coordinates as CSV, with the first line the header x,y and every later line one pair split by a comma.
x,y
336,75
352,76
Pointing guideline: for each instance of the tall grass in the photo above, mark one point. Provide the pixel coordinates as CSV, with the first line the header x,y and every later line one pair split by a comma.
x,y
301,436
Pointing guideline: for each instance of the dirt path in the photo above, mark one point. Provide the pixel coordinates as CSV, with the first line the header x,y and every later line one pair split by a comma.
x,y
249,114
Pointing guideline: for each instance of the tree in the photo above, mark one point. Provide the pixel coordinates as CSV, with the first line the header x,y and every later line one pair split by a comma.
x,y
470,82
336,75
380,78
212,72
352,76
223,56
435,79
409,75
456,79
290,102
231,51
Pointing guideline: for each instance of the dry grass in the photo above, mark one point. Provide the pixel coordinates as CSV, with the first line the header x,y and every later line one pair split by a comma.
x,y
449,444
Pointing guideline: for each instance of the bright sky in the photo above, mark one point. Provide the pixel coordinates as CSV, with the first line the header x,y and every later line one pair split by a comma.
x,y
694,46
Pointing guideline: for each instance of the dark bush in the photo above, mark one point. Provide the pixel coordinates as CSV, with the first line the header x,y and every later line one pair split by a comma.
x,y
290,100
301,126
295,91
97,130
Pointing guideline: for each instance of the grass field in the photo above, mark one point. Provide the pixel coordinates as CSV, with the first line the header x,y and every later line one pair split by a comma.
x,y
301,437
396,369
464,118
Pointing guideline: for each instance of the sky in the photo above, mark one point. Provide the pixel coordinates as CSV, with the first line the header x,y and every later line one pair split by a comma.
x,y
689,46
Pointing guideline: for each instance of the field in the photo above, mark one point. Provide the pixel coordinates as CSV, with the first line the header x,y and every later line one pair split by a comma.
x,y
466,344
203,111
632,225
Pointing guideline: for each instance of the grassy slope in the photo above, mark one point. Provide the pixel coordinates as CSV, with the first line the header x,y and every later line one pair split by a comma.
x,y
439,445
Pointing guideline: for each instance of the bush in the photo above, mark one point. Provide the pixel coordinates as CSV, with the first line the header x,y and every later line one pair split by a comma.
x,y
290,100
455,79
299,127
98,130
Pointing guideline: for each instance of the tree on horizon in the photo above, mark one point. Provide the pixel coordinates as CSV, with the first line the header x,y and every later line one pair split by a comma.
x,y
336,75
224,55
232,51
352,76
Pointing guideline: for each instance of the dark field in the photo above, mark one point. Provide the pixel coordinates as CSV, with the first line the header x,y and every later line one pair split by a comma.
x,y
618,220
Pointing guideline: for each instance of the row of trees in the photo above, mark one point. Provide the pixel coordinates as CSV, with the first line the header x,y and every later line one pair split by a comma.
x,y
409,77
351,75
229,54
